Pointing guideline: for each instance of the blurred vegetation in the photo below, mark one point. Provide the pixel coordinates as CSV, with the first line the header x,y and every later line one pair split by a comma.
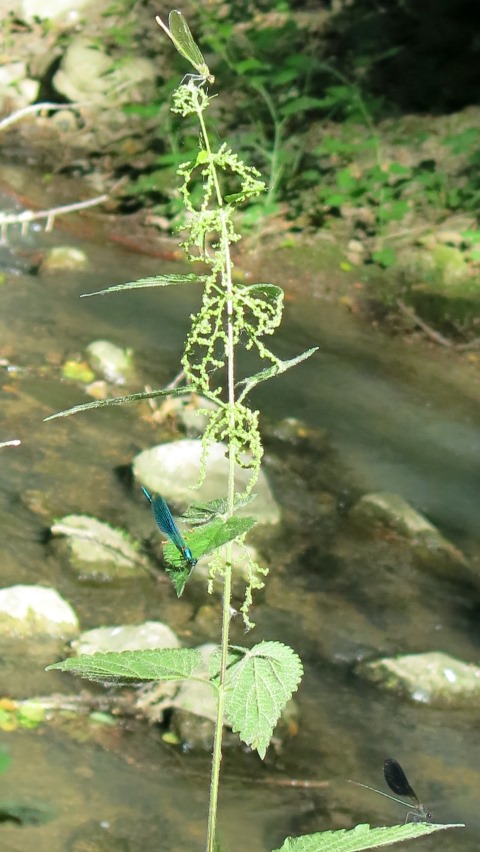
x,y
310,86
363,117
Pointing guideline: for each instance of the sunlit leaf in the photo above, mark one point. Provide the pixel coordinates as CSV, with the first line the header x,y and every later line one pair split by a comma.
x,y
156,281
128,667
201,541
259,686
120,400
209,537
359,838
200,513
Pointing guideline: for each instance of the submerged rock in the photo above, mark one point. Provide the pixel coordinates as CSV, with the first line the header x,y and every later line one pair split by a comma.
x,y
97,551
191,706
390,511
47,9
62,258
432,678
112,362
185,412
32,611
191,703
88,72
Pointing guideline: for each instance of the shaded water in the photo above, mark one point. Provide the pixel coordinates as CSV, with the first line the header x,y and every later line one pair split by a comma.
x,y
400,420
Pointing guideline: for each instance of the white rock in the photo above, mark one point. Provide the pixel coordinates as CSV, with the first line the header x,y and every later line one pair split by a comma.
x,y
171,469
43,9
126,637
36,610
87,73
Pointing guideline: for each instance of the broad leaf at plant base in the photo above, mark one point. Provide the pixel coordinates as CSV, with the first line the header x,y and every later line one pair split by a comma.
x,y
259,685
128,667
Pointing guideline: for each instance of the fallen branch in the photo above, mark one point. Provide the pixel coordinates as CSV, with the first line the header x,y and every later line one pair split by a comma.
x,y
429,331
40,107
29,215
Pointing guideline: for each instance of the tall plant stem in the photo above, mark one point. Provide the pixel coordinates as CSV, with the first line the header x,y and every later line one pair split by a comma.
x,y
227,581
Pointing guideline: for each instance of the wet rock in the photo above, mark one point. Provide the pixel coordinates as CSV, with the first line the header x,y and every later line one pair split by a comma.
x,y
433,678
20,813
62,258
65,120
98,552
112,362
193,730
126,637
184,411
88,73
192,706
32,611
446,266
16,88
77,371
105,836
98,389
46,9
207,619
190,696
447,295
383,510
171,469
299,434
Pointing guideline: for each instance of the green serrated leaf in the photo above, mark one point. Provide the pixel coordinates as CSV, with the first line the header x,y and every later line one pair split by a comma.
x,y
258,688
269,291
179,575
235,197
359,838
156,281
202,541
200,513
235,655
208,538
119,400
133,666
274,370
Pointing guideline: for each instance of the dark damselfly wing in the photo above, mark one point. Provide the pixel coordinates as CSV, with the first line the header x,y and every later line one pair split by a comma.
x,y
397,780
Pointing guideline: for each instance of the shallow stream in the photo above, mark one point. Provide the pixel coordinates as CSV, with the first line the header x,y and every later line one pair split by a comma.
x,y
402,418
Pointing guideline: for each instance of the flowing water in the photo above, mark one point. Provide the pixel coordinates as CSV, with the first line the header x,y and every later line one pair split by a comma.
x,y
400,418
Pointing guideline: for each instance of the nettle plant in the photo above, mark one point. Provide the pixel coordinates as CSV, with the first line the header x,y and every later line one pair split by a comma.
x,y
252,685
